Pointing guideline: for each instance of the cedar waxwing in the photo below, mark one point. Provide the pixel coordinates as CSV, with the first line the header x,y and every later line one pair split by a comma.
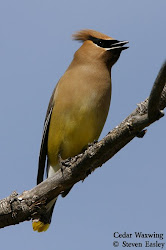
x,y
78,107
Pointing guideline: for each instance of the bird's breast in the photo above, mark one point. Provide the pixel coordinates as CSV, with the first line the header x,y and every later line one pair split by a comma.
x,y
80,111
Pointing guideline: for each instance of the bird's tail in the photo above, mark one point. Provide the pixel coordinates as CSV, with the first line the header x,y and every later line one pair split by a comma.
x,y
42,224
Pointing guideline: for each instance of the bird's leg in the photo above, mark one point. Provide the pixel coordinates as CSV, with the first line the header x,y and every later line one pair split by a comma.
x,y
92,143
62,167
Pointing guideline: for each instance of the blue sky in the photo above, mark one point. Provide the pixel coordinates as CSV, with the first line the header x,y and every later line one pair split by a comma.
x,y
128,193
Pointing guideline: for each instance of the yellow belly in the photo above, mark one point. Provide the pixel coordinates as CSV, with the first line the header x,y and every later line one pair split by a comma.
x,y
69,134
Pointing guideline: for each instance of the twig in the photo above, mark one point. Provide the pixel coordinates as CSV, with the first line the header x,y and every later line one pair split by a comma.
x,y
155,95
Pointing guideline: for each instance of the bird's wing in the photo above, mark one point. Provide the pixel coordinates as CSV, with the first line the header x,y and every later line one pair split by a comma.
x,y
43,147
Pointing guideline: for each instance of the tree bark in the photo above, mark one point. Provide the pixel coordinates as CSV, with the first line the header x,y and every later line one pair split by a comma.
x,y
21,207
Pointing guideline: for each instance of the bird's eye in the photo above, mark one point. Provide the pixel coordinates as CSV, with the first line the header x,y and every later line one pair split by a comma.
x,y
101,43
97,41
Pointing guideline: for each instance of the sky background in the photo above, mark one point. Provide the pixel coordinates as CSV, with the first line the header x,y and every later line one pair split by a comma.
x,y
128,193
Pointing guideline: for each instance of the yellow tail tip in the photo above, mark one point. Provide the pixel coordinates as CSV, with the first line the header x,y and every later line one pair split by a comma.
x,y
40,226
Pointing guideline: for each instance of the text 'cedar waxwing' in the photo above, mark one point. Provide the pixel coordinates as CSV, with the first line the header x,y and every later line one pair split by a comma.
x,y
78,107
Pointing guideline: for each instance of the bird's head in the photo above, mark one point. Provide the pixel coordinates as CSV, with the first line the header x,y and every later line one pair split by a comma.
x,y
98,47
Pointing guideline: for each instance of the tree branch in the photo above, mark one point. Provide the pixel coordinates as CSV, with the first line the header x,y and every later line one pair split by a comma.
x,y
18,208
155,95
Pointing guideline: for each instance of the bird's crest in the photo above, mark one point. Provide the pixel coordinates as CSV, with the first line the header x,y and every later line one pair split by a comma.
x,y
87,34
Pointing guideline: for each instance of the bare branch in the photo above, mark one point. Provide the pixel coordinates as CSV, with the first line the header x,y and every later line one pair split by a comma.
x,y
17,208
155,95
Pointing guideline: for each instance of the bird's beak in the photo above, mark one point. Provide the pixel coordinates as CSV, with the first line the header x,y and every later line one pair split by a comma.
x,y
118,45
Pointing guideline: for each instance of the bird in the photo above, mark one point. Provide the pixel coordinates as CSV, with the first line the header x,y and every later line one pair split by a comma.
x,y
78,107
